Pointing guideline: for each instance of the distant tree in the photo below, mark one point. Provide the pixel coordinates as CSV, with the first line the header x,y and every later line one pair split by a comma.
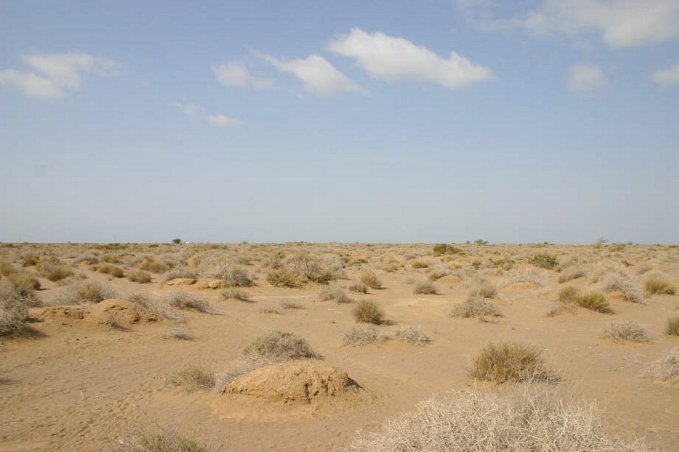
x,y
177,241
480,242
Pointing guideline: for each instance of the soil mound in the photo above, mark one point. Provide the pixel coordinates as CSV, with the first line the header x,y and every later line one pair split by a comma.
x,y
64,315
123,311
296,381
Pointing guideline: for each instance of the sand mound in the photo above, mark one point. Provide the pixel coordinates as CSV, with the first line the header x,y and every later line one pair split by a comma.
x,y
210,284
123,311
64,315
180,282
295,381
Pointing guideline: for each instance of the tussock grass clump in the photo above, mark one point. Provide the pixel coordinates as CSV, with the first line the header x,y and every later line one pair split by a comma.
x,y
154,266
571,273
510,361
163,441
139,276
672,326
370,279
530,418
232,293
308,268
594,301
358,287
662,286
112,270
626,331
444,248
282,277
29,260
666,368
484,289
289,304
357,337
624,285
419,264
13,310
334,293
193,377
425,288
368,311
412,336
93,292
279,346
568,294
24,285
183,300
547,261
475,306
233,276
57,273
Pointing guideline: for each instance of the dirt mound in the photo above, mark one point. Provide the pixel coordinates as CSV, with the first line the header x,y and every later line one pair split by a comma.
x,y
64,315
122,311
296,381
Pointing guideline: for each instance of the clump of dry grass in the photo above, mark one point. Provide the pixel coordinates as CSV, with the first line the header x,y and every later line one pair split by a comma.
x,y
624,285
570,273
368,311
154,266
475,306
233,276
370,279
289,304
484,289
568,294
510,361
279,346
662,286
183,300
13,310
112,270
357,337
93,292
282,277
672,326
162,441
139,276
666,368
24,286
193,377
419,264
594,301
626,331
358,287
334,293
547,261
425,288
412,336
527,418
232,293
57,273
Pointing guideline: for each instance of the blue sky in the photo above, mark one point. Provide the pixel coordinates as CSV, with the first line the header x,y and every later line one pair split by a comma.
x,y
400,121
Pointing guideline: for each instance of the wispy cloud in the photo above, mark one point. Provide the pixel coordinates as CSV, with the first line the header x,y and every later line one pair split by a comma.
x,y
394,59
317,74
52,75
236,73
668,76
585,79
218,120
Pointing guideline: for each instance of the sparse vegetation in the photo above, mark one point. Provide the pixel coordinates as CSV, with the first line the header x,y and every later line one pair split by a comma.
x,y
279,346
334,293
282,277
370,279
544,261
412,336
672,326
666,368
93,292
661,286
193,377
594,301
368,311
443,248
139,276
484,289
183,300
233,276
475,306
163,441
568,294
510,361
13,310
425,288
233,293
571,273
358,287
357,337
626,331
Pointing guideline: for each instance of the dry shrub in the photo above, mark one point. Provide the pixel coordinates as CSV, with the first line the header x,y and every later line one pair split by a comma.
x,y
594,301
419,264
443,248
308,268
29,259
181,272
547,261
368,311
112,270
570,273
484,289
233,276
357,337
288,304
334,293
412,336
475,306
193,377
282,277
626,331
183,300
179,334
93,292
425,288
13,310
624,285
279,346
139,276
510,361
672,327
57,273
269,310
531,418
163,441
662,286
235,294
154,266
568,294
24,285
358,287
370,279
666,368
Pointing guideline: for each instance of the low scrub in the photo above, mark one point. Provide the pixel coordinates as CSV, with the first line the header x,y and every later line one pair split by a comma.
x,y
510,362
279,346
425,288
547,261
368,311
484,289
661,286
358,287
443,248
570,273
530,418
13,310
672,326
93,292
626,331
666,368
370,279
233,293
357,337
334,293
233,276
568,294
112,270
412,336
193,377
162,441
594,301
475,306
626,287
139,276
183,300
282,277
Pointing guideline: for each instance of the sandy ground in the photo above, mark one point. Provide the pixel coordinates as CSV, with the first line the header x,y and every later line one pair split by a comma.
x,y
84,386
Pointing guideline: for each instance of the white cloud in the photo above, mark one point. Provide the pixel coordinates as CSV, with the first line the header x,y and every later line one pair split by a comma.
x,y
235,73
666,77
621,23
317,74
51,75
222,120
188,109
393,59
584,79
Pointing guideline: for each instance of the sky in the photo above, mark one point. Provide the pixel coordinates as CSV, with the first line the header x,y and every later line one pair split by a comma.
x,y
351,121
